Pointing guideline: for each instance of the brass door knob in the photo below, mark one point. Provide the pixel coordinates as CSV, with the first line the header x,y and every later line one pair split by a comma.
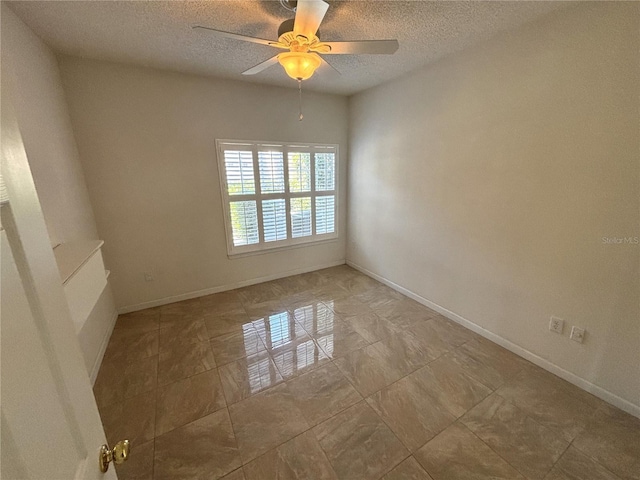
x,y
118,454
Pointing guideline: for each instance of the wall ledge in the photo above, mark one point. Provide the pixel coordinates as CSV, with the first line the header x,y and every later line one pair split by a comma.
x,y
223,288
71,257
576,380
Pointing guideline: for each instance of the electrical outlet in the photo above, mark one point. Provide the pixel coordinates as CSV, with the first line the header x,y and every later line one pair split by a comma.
x,y
148,277
556,325
577,334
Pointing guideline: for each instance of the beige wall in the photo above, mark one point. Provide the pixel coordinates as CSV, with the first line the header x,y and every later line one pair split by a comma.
x,y
486,182
46,129
44,122
147,140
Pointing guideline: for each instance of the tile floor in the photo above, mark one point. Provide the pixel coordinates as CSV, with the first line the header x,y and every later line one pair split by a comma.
x,y
332,375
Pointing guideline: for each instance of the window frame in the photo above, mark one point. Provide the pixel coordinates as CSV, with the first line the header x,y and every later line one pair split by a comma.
x,y
287,195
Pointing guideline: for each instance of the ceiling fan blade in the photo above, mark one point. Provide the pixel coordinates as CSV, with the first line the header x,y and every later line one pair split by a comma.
x,y
362,46
309,15
237,36
327,68
261,66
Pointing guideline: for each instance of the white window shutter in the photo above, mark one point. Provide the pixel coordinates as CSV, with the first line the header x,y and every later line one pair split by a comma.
x,y
239,169
299,172
277,195
271,164
244,223
300,217
325,214
274,219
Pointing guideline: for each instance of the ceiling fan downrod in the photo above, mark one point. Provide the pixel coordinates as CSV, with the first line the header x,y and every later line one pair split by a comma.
x,y
301,117
290,5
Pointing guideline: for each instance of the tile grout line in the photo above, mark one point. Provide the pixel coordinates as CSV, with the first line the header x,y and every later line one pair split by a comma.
x,y
459,420
332,360
490,448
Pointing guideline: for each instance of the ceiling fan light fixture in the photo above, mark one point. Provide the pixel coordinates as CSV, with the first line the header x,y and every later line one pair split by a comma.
x,y
299,65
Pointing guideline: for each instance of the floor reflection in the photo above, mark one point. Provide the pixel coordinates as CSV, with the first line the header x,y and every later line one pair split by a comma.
x,y
261,373
297,340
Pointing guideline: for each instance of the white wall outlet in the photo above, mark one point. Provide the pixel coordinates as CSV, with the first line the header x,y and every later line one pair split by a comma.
x,y
148,277
556,325
577,334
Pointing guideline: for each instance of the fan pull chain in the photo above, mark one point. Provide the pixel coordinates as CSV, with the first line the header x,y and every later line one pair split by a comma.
x,y
300,99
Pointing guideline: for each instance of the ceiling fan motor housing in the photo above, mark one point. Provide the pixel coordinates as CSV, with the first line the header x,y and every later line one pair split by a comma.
x,y
300,36
287,27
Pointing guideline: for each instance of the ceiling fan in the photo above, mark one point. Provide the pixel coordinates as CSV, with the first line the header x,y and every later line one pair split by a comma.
x,y
299,36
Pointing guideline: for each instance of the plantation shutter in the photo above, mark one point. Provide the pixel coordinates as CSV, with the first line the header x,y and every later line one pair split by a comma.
x,y
277,195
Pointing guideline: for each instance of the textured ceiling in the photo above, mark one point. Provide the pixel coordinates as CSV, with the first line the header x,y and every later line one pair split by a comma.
x,y
158,34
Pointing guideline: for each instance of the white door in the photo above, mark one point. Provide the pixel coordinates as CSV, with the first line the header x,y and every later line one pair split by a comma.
x,y
50,426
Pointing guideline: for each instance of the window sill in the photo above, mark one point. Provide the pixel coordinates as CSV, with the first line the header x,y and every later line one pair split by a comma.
x,y
233,256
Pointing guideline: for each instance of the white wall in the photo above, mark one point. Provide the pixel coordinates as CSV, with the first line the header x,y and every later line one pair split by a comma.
x,y
486,182
96,332
46,130
147,141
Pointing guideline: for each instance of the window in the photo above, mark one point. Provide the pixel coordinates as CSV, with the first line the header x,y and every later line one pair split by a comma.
x,y
277,195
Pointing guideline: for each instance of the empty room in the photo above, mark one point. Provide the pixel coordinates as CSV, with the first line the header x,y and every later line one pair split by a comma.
x,y
320,239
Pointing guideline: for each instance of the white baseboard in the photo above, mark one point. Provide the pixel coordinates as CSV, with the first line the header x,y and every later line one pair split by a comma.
x,y
223,288
580,382
103,348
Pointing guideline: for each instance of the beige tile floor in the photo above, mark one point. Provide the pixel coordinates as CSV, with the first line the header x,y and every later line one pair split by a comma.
x,y
332,375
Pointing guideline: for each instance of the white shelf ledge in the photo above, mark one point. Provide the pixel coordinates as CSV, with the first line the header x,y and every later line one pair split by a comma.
x,y
73,255
83,277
